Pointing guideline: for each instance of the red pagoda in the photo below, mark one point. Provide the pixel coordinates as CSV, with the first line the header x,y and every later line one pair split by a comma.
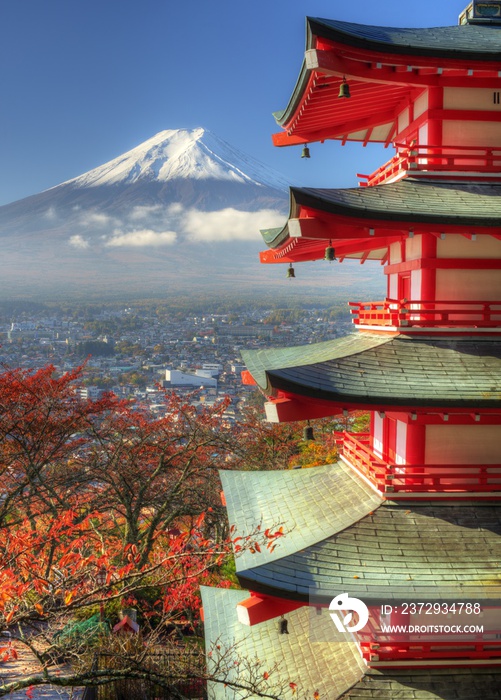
x,y
409,518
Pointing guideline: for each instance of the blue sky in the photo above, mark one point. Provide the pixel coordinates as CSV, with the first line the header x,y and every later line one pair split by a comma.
x,y
82,82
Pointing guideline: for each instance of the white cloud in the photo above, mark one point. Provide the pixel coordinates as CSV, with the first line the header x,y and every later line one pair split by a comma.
x,y
155,226
50,214
175,209
228,224
142,238
78,242
144,211
93,218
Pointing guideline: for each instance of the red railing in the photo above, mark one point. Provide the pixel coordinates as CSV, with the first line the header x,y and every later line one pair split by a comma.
x,y
427,314
410,160
399,651
383,646
401,479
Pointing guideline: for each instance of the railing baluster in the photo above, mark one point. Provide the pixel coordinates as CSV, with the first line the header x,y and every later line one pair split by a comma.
x,y
438,158
416,477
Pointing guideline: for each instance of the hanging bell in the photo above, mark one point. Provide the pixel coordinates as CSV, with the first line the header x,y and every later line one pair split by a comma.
x,y
344,89
305,153
290,272
283,626
330,253
308,433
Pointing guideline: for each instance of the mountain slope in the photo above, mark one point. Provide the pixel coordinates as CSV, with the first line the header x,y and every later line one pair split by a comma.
x,y
180,212
191,167
181,154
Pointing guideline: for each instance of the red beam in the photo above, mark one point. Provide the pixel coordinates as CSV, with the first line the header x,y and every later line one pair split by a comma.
x,y
328,63
335,131
444,264
287,410
259,608
361,64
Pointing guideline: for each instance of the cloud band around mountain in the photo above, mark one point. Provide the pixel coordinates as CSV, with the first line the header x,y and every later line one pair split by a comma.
x,y
164,226
141,239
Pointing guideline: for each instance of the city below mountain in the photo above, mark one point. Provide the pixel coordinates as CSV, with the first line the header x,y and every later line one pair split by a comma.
x,y
179,213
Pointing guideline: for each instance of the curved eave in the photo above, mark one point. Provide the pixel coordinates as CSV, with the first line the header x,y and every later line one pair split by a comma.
x,y
325,116
311,503
369,371
457,42
363,222
381,71
437,552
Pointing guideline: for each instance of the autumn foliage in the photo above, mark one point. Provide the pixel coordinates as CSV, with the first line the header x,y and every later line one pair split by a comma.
x,y
104,506
100,486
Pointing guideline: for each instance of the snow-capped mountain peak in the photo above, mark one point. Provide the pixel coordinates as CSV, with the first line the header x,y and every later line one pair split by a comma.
x,y
184,154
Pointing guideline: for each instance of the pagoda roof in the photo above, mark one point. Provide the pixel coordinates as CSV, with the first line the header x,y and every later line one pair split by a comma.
x,y
307,500
383,65
349,216
458,41
430,684
332,668
426,550
372,370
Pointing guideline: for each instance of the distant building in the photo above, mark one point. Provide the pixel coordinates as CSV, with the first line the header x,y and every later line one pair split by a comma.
x,y
213,368
245,331
91,393
174,377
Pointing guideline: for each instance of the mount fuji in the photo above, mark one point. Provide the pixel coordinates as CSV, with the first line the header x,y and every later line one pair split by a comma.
x,y
151,221
179,213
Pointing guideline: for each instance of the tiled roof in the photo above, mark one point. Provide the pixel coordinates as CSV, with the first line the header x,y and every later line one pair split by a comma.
x,y
334,669
331,667
408,200
430,684
402,371
396,553
454,203
311,504
479,42
262,361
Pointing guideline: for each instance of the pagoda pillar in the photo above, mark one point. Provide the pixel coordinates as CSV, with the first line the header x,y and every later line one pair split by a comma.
x,y
435,104
428,275
415,445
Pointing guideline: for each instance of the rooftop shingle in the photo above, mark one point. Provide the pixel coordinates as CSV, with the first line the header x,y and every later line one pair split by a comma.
x,y
311,504
376,371
334,669
331,668
481,42
396,553
408,201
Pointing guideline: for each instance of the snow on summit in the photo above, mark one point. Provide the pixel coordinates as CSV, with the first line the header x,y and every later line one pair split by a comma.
x,y
173,154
